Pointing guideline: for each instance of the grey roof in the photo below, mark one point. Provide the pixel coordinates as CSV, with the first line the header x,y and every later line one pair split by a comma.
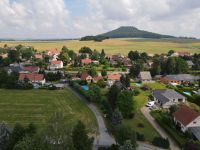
x,y
190,63
145,75
196,132
182,77
165,96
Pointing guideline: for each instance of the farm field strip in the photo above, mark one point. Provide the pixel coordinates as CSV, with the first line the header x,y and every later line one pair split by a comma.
x,y
112,46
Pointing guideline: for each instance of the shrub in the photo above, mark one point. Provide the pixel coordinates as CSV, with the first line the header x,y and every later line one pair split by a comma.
x,y
101,83
140,137
161,142
136,92
140,125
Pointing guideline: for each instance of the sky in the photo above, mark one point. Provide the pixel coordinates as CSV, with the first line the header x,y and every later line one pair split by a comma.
x,y
50,19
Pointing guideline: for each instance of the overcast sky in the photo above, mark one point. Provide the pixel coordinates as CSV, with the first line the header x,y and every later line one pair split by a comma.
x,y
76,18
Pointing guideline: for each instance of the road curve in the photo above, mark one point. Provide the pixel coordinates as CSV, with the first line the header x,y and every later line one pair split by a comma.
x,y
103,138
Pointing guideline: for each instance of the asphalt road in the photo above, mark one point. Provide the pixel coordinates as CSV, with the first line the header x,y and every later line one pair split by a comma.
x,y
103,138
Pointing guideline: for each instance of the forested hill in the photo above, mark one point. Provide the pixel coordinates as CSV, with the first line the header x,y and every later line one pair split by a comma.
x,y
132,32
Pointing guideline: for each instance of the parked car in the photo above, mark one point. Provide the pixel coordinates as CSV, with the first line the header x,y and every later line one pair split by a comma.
x,y
150,104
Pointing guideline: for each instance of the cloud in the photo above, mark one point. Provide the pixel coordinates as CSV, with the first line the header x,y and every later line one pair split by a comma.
x,y
53,19
34,19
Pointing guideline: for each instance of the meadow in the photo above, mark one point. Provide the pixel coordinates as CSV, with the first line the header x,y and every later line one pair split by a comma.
x,y
111,46
38,105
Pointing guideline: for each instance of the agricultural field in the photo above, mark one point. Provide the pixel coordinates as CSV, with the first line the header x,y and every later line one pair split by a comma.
x,y
111,46
38,105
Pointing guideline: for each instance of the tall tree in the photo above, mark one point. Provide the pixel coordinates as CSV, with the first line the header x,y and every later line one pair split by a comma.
x,y
58,132
5,134
125,103
81,141
124,133
112,96
116,118
95,93
156,68
134,55
127,146
13,55
103,54
17,135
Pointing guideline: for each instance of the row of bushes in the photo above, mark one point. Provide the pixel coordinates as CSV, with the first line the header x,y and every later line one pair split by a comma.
x,y
169,127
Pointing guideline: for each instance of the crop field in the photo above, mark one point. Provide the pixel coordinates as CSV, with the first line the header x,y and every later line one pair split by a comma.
x,y
111,46
38,105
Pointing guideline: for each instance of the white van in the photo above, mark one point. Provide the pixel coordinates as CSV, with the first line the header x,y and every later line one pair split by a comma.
x,y
150,104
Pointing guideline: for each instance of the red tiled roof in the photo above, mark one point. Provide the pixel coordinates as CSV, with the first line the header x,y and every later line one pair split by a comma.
x,y
56,62
38,56
30,68
52,52
114,76
31,77
97,78
86,61
183,53
84,75
185,115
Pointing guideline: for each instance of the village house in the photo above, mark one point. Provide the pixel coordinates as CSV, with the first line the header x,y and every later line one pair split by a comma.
x,y
186,118
38,56
149,64
145,77
126,62
97,78
56,64
86,77
112,78
30,69
32,77
53,54
167,97
86,61
190,64
178,79
181,54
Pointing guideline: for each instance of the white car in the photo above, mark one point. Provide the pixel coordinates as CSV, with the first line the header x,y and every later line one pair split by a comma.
x,y
150,104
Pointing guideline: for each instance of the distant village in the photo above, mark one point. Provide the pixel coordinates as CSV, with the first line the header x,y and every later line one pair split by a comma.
x,y
90,71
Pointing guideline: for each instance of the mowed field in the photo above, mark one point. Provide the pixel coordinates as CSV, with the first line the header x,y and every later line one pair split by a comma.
x,y
38,105
111,46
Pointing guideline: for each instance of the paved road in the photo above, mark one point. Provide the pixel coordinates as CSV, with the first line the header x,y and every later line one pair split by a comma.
x,y
103,138
145,146
161,131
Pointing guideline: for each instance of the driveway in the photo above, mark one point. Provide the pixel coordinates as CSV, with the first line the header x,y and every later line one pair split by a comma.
x,y
103,138
161,131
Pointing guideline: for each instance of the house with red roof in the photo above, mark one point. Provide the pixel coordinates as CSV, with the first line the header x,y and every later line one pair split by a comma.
x,y
38,56
97,78
86,61
53,53
56,64
32,77
186,118
86,77
112,78
30,69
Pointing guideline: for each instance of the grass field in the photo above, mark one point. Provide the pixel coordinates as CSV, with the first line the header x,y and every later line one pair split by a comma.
x,y
38,105
153,46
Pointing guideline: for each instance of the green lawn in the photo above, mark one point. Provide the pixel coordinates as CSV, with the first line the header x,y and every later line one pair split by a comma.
x,y
140,100
38,105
